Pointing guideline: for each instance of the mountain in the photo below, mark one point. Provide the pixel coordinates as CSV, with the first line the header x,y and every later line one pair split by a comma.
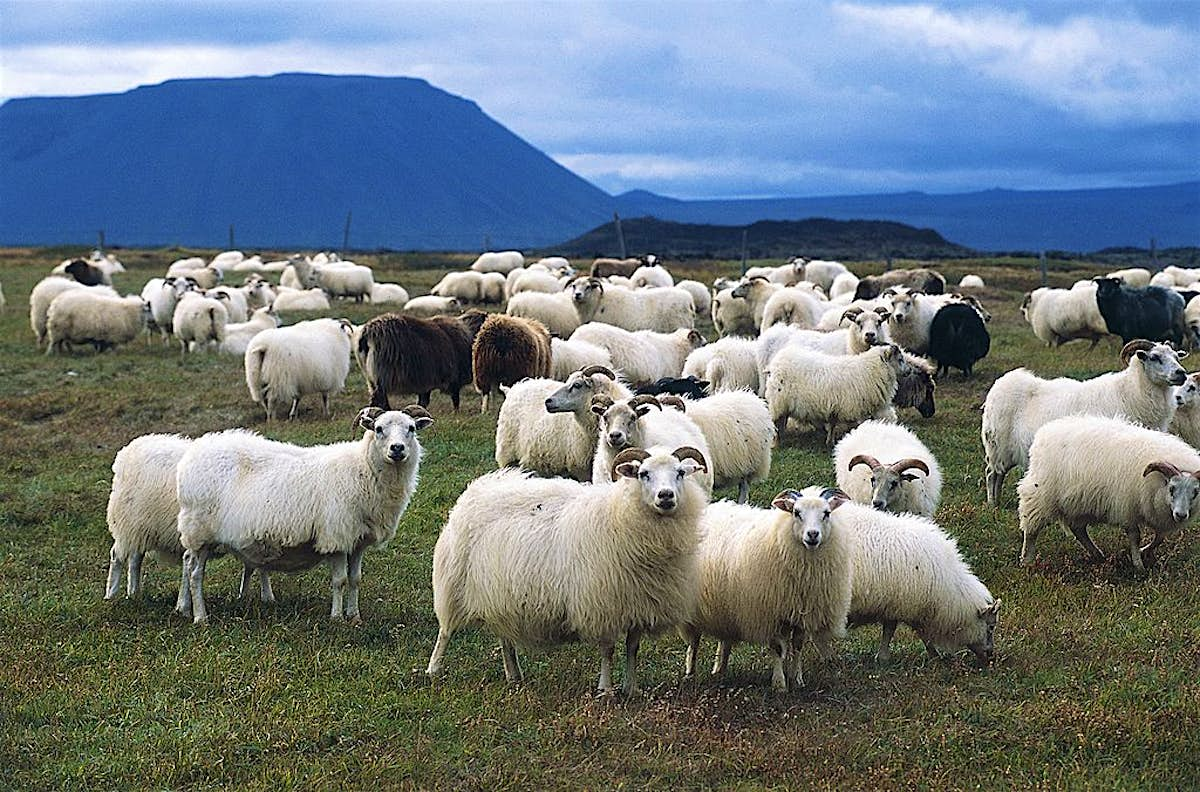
x,y
285,159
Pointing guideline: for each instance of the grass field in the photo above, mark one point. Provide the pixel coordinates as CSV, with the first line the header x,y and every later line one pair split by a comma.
x,y
1096,682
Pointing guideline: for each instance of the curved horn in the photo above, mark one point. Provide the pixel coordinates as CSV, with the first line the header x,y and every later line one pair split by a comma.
x,y
628,455
864,459
417,411
600,403
687,452
588,371
366,418
785,500
829,493
643,400
1136,345
1166,468
910,462
670,400
851,313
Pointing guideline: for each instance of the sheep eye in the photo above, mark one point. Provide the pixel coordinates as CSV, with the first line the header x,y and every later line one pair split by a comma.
x,y
1155,358
378,430
412,429
679,474
895,484
644,476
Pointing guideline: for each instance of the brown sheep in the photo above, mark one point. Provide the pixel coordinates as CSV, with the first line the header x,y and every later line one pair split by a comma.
x,y
923,280
604,267
508,349
407,354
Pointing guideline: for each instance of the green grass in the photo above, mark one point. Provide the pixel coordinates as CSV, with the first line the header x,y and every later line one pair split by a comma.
x,y
1095,684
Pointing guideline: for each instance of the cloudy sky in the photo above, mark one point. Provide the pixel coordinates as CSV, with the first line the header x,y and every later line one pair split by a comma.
x,y
708,99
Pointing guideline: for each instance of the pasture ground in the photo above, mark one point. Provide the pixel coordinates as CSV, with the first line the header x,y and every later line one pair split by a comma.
x,y
1095,684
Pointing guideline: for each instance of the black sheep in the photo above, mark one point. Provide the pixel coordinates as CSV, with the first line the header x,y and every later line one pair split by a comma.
x,y
686,386
1151,312
958,337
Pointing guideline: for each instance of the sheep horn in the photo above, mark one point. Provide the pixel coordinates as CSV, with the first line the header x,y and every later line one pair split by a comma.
x,y
588,371
628,455
366,417
911,462
669,400
851,313
785,500
602,401
1136,345
1168,470
417,411
687,452
643,401
864,459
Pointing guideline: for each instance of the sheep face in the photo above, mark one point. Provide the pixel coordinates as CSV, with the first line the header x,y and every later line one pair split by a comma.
x,y
1161,364
618,422
585,290
1180,488
810,511
661,476
394,433
576,393
869,325
902,305
916,387
886,480
983,643
1189,392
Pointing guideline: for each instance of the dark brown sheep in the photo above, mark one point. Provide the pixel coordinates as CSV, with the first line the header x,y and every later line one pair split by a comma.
x,y
922,280
508,349
407,354
85,273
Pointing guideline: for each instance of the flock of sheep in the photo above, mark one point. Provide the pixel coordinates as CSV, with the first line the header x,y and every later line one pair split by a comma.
x,y
616,423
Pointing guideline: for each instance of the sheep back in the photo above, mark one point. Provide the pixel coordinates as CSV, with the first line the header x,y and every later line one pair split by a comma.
x,y
408,354
508,349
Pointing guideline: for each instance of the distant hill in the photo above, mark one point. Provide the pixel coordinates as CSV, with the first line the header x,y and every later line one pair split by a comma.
x,y
285,159
816,238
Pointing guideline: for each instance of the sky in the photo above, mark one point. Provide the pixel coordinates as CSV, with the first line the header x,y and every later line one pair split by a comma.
x,y
708,99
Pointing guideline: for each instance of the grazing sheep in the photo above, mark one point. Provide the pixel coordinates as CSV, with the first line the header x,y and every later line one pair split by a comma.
x,y
199,320
548,427
727,364
285,363
664,310
653,276
535,280
498,261
407,354
466,287
385,293
971,282
184,266
958,337
347,280
1181,276
491,288
1085,469
732,315
1020,403
1186,421
908,570
643,356
888,487
430,305
238,335
700,296
567,356
738,430
641,422
926,281
1061,315
771,578
84,316
226,482
792,306
540,562
1150,312
313,299
828,390
508,349
563,312
44,293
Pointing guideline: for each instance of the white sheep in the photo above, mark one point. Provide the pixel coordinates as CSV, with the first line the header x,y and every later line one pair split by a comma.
x,y
756,291
1019,403
771,577
1061,315
739,432
44,292
313,299
259,293
1185,423
285,363
562,312
238,335
465,286
1087,469
888,486
237,304
651,277
544,561
828,390
726,364
908,570
643,356
429,305
229,485
346,279
572,355
227,259
382,293
860,331
498,261
664,309
831,316
184,266
199,320
162,294
701,299
732,315
792,306
86,316
1191,320
844,284
1134,276
971,282
823,273
534,280
641,422
548,427
1181,276
784,274
491,288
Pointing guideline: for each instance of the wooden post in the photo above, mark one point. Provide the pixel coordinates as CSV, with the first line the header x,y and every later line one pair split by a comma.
x,y
744,252
620,234
231,244
100,239
346,236
887,265
1154,253
487,242
1042,259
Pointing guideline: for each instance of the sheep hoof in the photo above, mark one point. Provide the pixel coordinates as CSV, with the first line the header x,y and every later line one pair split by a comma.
x,y
355,621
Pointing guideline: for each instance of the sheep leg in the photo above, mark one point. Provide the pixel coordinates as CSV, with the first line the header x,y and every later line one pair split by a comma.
x,y
722,658
354,573
693,649
995,483
379,399
244,586
295,408
930,649
1148,550
830,432
196,562
338,580
633,641
114,574
454,397
780,426
512,668
1081,534
133,582
483,405
779,648
606,659
884,653
264,585
794,672
325,404
423,399
439,651
183,602
743,490
1134,534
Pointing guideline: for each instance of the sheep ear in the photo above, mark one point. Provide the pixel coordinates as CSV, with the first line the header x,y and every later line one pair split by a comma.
x,y
419,414
835,497
366,417
992,609
786,500
627,469
1181,354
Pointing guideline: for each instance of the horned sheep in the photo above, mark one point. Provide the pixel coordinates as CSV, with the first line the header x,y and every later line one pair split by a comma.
x,y
640,422
888,486
732,315
285,363
563,312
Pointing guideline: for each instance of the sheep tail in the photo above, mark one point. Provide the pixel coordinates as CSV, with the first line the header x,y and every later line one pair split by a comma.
x,y
254,365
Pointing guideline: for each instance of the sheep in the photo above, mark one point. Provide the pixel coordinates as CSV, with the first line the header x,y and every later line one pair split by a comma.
x,y
701,299
555,263
86,273
543,561
860,331
227,260
916,387
571,355
756,292
465,286
821,389
236,303
844,285
548,427
508,349
203,278
832,313
908,570
238,335
792,306
971,282
429,305
888,487
645,355
911,315
665,309
346,279
1019,403
285,363
563,312
532,280
383,293
1181,276
407,354
771,579
199,320
738,430
1087,469
1151,312
251,264
491,288
651,276
640,422
184,266
1061,315
44,292
923,280
727,364
300,274
1136,277
498,261
958,337
83,315
785,274
259,293
1185,423
226,484
823,273
604,267
313,299
730,315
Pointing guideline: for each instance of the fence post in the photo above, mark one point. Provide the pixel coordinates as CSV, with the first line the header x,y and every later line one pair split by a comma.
x,y
1042,260
620,233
